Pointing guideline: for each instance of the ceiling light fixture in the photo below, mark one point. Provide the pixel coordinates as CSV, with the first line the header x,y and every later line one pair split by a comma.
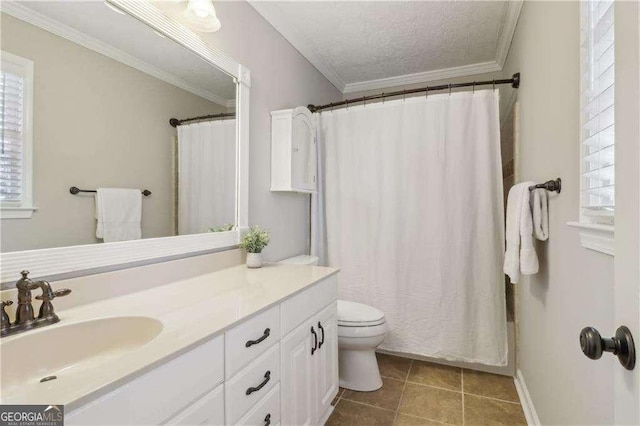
x,y
202,16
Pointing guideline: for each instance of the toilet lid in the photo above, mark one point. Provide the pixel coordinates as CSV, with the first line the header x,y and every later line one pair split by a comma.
x,y
358,314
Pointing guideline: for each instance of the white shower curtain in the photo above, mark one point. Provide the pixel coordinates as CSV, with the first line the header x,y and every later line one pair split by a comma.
x,y
206,175
414,220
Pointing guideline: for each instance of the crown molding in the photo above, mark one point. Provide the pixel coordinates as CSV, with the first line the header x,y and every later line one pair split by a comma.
x,y
508,30
55,27
270,12
423,77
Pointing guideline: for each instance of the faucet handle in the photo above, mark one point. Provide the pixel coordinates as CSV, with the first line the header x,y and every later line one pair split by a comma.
x,y
46,309
58,293
25,274
5,323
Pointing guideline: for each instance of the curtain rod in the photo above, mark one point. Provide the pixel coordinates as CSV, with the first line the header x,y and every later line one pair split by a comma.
x,y
174,122
513,81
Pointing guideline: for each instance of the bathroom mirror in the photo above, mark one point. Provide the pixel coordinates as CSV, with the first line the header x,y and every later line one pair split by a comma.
x,y
149,108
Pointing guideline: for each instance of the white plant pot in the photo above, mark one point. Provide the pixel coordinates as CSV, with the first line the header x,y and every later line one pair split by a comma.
x,y
254,260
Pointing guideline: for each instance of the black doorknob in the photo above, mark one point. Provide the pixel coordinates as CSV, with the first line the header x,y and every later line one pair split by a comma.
x,y
593,345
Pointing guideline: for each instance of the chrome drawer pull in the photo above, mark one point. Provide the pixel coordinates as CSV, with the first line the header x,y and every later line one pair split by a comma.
x,y
267,377
255,342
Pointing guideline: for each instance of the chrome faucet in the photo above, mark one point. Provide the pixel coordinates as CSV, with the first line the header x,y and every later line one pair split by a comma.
x,y
25,319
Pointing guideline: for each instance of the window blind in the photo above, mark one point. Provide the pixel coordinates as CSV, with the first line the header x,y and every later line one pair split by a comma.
x,y
11,130
597,105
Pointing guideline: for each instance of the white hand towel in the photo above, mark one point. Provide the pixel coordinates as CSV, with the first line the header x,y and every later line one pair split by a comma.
x,y
520,256
528,257
540,208
118,214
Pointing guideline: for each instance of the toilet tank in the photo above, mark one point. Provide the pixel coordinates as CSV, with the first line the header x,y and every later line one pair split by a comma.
x,y
303,259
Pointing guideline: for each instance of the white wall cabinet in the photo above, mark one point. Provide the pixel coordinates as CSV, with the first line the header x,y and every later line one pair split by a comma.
x,y
293,151
248,376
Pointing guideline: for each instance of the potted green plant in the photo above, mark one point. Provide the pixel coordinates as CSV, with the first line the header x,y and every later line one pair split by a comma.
x,y
254,242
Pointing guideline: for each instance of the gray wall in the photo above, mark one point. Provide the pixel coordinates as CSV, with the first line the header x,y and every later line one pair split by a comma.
x,y
97,123
281,78
574,287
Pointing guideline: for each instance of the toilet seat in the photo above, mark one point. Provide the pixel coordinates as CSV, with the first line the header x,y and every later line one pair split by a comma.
x,y
360,323
363,332
353,314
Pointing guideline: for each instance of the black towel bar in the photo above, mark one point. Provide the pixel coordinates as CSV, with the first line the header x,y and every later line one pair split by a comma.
x,y
550,185
75,190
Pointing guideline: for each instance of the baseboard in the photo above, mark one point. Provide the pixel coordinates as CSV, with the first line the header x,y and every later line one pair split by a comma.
x,y
326,415
525,400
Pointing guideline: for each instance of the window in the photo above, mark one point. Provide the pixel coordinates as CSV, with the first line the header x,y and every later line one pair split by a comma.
x,y
597,198
16,106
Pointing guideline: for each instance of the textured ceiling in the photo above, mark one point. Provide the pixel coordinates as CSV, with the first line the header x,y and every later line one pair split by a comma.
x,y
364,41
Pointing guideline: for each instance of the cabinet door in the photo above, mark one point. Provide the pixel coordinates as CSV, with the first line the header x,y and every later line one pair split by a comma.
x,y
303,153
326,360
297,377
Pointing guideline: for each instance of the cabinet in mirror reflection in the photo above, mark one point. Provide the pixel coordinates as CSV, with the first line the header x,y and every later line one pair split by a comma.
x,y
99,118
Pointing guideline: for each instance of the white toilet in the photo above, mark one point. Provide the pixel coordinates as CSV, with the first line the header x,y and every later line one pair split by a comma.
x,y
361,328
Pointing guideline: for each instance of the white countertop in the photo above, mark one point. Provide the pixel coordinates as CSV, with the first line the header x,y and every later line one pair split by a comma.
x,y
191,311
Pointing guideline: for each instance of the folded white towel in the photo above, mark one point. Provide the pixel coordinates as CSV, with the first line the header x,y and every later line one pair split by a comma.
x,y
118,214
540,208
520,256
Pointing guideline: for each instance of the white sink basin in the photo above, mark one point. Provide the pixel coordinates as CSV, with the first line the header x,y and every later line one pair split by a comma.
x,y
71,349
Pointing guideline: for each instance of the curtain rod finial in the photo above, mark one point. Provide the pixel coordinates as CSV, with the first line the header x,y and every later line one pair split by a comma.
x,y
174,122
516,80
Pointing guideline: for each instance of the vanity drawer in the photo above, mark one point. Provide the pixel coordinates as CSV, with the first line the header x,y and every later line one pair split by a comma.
x,y
254,376
268,408
249,340
159,394
301,306
208,410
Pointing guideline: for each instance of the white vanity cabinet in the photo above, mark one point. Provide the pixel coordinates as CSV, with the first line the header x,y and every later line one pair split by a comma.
x,y
279,366
298,374
293,151
189,386
309,354
326,369
310,369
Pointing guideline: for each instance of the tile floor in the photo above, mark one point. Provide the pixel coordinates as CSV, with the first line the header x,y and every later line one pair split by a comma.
x,y
417,393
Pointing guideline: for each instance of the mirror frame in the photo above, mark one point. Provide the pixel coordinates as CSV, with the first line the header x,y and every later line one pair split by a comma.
x,y
67,262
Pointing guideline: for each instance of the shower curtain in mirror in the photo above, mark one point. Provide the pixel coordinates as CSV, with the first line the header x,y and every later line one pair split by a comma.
x,y
412,214
206,175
